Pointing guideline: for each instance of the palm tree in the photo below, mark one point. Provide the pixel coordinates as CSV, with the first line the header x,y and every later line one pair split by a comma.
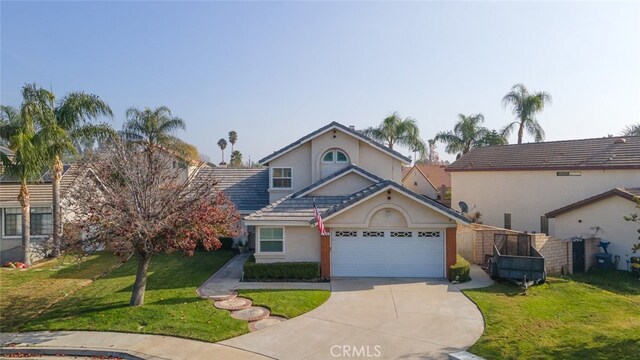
x,y
29,156
67,126
233,138
9,118
236,159
632,130
467,134
525,105
222,143
153,127
395,130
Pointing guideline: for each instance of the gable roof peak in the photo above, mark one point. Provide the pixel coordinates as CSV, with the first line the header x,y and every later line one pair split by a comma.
x,y
333,125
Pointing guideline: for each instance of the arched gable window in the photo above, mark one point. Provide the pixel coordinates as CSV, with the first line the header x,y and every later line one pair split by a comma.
x,y
335,156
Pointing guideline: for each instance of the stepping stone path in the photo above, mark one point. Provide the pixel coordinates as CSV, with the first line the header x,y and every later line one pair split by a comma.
x,y
241,308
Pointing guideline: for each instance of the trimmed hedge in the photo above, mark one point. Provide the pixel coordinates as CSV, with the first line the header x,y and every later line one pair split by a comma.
x,y
635,266
281,271
459,271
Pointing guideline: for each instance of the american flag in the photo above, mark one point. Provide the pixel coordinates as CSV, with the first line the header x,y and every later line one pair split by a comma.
x,y
318,219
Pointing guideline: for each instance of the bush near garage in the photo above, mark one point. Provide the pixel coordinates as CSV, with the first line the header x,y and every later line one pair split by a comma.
x,y
459,272
281,271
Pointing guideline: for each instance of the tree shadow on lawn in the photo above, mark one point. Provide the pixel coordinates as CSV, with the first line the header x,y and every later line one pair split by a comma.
x,y
615,281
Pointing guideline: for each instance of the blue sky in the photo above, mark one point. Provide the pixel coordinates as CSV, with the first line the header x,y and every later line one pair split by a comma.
x,y
274,71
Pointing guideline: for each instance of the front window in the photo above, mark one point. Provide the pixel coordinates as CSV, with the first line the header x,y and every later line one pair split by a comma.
x,y
41,221
335,156
272,240
13,222
281,178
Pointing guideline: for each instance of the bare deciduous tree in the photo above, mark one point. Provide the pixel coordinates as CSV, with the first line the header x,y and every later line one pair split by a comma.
x,y
146,207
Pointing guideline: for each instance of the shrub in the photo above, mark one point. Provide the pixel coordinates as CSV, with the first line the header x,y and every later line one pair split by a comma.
x,y
459,272
281,270
227,242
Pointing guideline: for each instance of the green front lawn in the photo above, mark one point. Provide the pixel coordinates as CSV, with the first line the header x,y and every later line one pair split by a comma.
x,y
171,304
590,316
26,293
287,303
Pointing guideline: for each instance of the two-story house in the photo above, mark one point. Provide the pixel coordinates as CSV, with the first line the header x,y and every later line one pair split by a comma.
x,y
375,227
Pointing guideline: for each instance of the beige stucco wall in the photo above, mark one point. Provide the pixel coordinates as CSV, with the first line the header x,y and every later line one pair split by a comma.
x,y
298,161
527,195
305,161
345,185
301,243
416,214
608,214
379,163
416,182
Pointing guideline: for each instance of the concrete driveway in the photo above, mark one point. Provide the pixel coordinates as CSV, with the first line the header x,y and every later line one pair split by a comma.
x,y
375,318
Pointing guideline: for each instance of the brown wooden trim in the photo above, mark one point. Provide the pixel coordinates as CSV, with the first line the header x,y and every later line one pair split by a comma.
x,y
534,168
613,192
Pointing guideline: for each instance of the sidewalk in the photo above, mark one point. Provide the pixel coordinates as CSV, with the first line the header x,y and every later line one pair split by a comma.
x,y
140,346
226,280
479,279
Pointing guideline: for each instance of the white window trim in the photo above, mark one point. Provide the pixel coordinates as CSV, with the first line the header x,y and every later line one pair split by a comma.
x,y
335,157
271,178
259,241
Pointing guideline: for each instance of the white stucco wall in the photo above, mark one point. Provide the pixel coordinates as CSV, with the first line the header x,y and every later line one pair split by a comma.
x,y
607,214
417,183
527,195
301,243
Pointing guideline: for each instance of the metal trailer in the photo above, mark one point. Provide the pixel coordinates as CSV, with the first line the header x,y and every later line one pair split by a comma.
x,y
516,260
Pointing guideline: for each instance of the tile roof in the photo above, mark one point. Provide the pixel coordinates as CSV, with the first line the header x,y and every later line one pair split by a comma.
x,y
336,174
357,134
43,179
247,188
292,209
627,193
364,193
600,153
436,174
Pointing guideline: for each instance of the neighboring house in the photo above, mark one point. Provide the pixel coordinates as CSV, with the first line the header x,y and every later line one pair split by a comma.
x,y
429,180
41,213
375,226
603,213
514,186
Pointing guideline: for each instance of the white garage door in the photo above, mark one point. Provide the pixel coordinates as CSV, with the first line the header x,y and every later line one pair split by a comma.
x,y
387,253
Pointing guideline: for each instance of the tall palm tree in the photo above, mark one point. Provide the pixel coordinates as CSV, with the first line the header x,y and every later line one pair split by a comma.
x,y
29,156
396,130
233,138
69,125
153,127
222,143
467,134
525,105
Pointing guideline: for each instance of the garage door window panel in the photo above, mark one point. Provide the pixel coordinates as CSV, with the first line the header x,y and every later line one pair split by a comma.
x,y
272,240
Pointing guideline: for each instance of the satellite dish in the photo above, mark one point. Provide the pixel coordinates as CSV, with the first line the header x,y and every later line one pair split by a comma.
x,y
464,208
